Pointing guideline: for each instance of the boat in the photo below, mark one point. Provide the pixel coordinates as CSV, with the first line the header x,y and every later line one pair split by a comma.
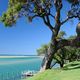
x,y
28,73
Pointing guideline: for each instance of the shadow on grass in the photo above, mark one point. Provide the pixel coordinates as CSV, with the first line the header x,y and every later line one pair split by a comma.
x,y
72,66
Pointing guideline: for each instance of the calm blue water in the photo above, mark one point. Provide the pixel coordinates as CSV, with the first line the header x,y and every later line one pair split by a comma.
x,y
12,68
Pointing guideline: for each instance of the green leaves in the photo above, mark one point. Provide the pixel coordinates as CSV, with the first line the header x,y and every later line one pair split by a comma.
x,y
43,1
3,17
17,7
61,35
43,49
9,18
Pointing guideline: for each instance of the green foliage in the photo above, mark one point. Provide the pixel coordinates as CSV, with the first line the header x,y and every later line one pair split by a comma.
x,y
19,8
43,50
72,37
7,19
12,14
61,35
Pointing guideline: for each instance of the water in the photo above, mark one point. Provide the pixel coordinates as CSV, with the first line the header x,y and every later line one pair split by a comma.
x,y
12,68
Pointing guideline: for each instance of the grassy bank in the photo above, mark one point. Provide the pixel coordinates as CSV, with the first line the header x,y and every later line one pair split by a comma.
x,y
70,72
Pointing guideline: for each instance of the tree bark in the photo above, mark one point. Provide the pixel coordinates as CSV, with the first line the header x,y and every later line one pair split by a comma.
x,y
61,65
46,64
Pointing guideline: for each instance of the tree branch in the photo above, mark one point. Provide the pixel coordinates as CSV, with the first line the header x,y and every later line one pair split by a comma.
x,y
73,43
68,18
52,16
53,65
35,16
48,23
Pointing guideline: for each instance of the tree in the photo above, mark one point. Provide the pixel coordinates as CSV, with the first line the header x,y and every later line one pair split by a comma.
x,y
63,54
44,9
58,57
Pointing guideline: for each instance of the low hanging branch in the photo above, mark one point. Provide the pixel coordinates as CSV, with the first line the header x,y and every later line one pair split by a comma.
x,y
73,42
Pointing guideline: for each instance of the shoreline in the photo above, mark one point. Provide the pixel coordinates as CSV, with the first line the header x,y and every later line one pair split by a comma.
x,y
19,56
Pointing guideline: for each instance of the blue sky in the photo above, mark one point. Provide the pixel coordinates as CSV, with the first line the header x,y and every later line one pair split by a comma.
x,y
25,37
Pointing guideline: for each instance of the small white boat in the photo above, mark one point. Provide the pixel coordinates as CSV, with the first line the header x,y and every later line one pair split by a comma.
x,y
28,73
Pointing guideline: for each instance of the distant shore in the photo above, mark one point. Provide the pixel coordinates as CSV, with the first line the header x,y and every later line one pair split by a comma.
x,y
19,56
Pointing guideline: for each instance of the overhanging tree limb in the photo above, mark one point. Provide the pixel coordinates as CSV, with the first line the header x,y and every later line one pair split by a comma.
x,y
68,18
73,43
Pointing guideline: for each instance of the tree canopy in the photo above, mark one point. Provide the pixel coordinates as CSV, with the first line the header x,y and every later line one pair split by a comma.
x,y
38,8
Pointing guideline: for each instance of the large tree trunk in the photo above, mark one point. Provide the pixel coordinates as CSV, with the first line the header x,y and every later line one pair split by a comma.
x,y
54,44
61,65
46,64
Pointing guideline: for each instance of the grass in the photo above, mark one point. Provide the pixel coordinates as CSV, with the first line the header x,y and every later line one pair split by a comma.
x,y
71,71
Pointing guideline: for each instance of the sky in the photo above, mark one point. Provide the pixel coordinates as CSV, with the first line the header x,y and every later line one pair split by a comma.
x,y
25,38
